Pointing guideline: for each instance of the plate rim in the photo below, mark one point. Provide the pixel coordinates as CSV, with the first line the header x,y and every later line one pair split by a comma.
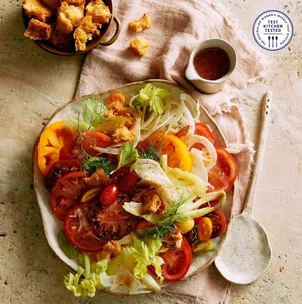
x,y
59,109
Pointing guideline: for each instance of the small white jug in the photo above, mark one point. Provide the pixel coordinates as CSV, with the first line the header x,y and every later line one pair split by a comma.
x,y
205,85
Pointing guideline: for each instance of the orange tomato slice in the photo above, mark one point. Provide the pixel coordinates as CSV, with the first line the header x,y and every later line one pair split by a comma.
x,y
51,142
172,146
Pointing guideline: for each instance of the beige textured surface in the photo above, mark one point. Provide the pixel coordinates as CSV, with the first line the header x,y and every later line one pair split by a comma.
x,y
33,84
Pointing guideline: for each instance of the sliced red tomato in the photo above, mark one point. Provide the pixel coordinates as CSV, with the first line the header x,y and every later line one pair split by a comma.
x,y
177,262
61,168
109,195
112,222
200,129
67,151
78,232
89,140
224,173
192,236
182,132
67,192
218,222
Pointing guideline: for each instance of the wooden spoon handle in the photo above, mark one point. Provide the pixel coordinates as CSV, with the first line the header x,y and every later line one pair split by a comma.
x,y
260,153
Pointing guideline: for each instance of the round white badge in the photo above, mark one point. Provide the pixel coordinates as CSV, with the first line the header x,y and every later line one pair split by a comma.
x,y
273,30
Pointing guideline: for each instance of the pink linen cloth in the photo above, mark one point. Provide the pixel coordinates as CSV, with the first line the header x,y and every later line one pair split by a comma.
x,y
177,26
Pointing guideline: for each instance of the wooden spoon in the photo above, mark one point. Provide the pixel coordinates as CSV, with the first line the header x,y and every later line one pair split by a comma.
x,y
246,252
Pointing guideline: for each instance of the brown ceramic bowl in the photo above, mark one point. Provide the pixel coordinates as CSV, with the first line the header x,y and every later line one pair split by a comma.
x,y
105,30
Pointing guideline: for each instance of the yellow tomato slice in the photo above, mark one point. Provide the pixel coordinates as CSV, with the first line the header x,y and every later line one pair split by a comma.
x,y
204,229
50,144
176,150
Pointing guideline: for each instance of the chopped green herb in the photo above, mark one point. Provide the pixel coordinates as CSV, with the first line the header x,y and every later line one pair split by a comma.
x,y
151,152
94,163
168,221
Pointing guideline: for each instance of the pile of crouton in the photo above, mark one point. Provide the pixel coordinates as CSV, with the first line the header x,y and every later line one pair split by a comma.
x,y
67,24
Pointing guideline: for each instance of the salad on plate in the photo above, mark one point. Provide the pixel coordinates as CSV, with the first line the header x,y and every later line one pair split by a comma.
x,y
132,187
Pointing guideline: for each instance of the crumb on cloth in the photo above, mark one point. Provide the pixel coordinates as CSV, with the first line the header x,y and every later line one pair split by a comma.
x,y
141,24
140,46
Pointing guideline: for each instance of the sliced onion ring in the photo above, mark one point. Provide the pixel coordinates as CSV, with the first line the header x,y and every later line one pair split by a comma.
x,y
191,139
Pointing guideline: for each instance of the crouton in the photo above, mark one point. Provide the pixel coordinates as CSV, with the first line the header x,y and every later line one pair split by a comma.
x,y
123,134
113,247
98,179
35,9
141,24
85,32
139,195
140,46
38,30
51,4
61,40
153,203
110,249
173,239
74,2
99,12
113,122
69,16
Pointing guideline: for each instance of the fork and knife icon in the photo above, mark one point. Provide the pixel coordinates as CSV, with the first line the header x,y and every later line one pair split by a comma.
x,y
273,41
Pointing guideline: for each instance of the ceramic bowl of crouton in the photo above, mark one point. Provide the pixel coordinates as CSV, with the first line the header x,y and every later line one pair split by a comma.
x,y
70,27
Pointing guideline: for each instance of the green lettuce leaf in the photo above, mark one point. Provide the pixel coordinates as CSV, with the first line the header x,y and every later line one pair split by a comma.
x,y
88,285
140,255
127,156
93,111
92,115
66,247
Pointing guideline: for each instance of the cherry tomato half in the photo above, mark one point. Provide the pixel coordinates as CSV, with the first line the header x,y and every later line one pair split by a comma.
x,y
128,181
109,194
81,236
67,192
177,262
218,221
222,176
204,229
119,174
125,178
